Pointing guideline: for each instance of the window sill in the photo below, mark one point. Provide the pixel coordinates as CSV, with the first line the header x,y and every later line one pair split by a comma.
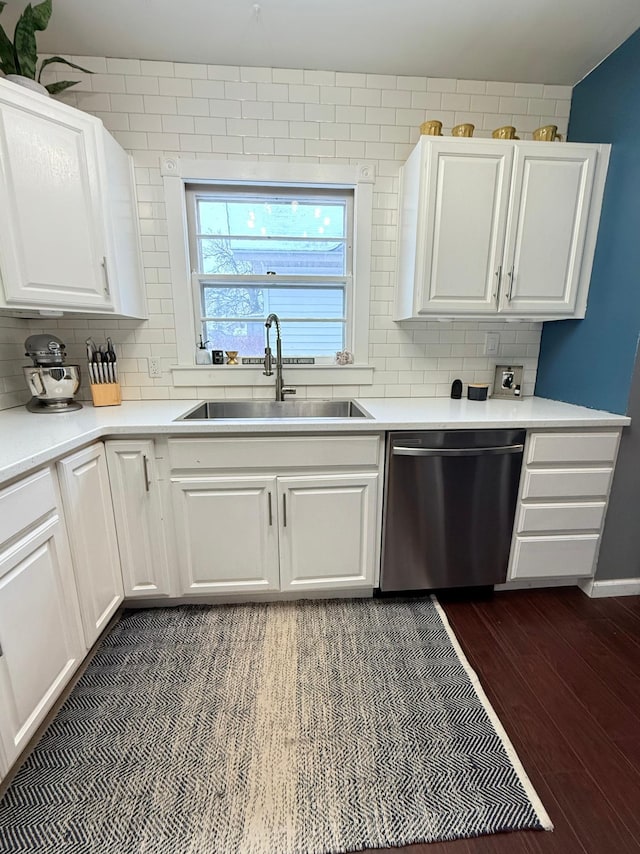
x,y
249,375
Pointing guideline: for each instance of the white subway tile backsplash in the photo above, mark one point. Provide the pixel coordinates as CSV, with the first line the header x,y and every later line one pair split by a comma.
x,y
175,86
223,72
139,85
288,75
441,84
153,68
162,104
529,90
123,66
366,97
298,116
455,101
192,106
495,87
426,100
335,95
251,74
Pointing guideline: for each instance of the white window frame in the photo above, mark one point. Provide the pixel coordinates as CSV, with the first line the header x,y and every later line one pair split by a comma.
x,y
180,172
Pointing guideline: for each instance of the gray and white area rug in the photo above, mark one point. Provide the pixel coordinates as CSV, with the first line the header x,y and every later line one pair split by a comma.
x,y
283,728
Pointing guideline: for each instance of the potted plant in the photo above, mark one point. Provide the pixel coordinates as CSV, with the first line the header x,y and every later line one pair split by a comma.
x,y
19,59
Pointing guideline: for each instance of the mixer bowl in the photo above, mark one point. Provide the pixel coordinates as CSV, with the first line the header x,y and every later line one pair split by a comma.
x,y
53,387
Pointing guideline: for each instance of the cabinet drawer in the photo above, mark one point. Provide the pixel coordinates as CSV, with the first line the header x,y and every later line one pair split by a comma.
x,y
567,483
24,502
573,447
276,452
549,557
534,518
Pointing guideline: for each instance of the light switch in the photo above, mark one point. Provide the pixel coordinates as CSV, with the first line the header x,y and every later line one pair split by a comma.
x,y
492,344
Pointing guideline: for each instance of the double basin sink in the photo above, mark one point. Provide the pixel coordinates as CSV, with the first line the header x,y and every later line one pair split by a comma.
x,y
266,409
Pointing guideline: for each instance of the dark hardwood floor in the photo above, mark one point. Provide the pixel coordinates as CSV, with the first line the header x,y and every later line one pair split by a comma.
x,y
563,673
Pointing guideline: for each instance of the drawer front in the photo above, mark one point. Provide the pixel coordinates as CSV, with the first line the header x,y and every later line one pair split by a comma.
x,y
276,452
561,448
549,557
24,502
535,518
567,483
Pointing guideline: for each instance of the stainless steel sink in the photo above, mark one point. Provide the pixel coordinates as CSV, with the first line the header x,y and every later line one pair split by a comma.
x,y
267,409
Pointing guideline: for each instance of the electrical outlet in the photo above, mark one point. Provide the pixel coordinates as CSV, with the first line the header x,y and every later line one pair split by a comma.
x,y
491,344
155,369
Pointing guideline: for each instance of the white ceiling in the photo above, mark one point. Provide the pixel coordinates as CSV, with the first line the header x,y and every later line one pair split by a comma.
x,y
547,41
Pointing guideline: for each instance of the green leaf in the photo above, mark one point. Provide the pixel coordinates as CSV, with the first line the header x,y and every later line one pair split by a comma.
x,y
7,61
41,15
56,88
24,44
65,62
2,5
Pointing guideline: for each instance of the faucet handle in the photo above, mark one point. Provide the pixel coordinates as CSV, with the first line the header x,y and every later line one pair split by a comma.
x,y
288,391
268,362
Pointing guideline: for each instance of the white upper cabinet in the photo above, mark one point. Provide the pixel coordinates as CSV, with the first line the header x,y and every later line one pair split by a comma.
x,y
465,200
68,224
493,227
549,213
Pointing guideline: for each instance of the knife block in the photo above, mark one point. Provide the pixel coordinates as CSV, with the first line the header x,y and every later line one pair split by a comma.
x,y
106,394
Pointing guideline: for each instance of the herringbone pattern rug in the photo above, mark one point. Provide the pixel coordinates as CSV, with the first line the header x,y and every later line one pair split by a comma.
x,y
285,728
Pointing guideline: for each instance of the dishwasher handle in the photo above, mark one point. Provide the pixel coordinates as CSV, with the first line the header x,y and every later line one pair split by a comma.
x,y
400,450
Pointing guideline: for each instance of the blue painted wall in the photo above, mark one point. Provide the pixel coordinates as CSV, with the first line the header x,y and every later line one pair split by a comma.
x,y
591,361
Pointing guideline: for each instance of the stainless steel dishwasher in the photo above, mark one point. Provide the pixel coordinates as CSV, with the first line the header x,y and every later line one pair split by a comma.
x,y
450,499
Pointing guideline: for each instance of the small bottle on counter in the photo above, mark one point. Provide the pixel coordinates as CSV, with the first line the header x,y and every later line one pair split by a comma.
x,y
203,356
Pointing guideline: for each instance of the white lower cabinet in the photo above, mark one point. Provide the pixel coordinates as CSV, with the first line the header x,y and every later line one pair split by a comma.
x,y
562,503
139,517
298,513
40,631
327,531
88,508
227,536
249,534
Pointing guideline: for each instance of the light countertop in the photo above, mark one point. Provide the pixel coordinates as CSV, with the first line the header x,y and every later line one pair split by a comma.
x,y
29,440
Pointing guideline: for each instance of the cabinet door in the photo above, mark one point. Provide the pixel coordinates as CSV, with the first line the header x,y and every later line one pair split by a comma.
x,y
86,497
327,531
139,518
52,232
40,631
549,212
461,227
227,536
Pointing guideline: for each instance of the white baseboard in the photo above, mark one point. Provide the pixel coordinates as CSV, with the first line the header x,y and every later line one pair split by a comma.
x,y
613,587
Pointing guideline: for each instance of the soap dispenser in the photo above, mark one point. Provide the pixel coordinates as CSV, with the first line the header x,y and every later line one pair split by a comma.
x,y
203,356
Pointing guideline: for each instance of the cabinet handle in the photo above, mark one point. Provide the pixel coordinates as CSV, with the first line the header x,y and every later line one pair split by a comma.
x,y
107,285
498,277
511,279
284,510
270,509
145,463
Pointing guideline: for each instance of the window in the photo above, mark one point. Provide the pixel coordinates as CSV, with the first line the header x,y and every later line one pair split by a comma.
x,y
226,275
257,250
